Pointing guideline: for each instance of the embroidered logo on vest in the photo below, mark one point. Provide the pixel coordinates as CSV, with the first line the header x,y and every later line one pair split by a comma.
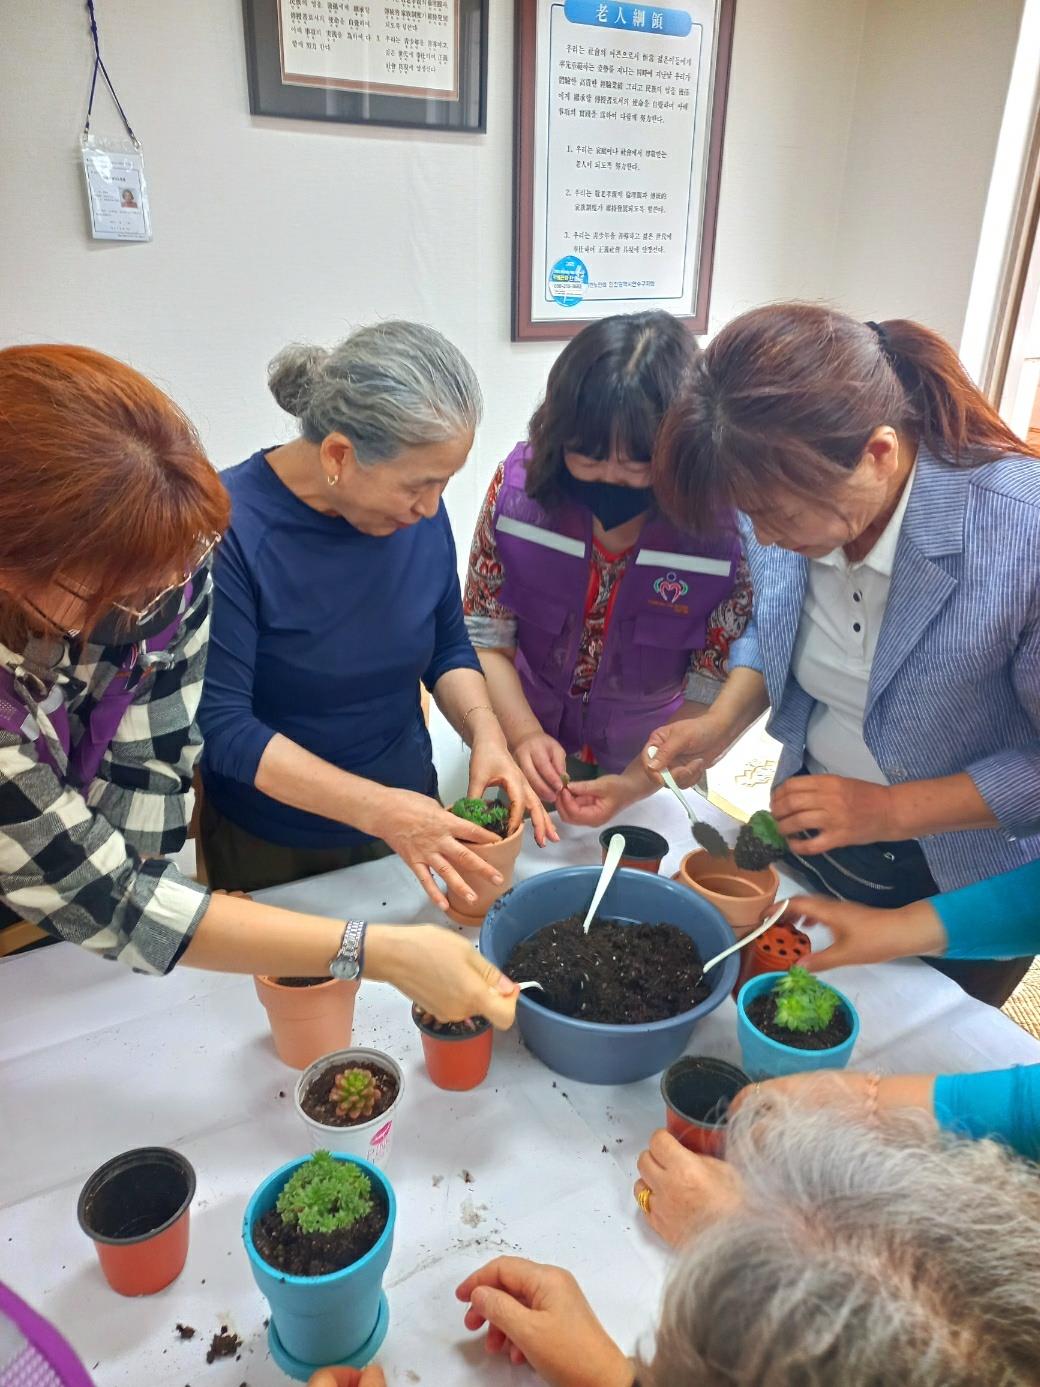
x,y
671,588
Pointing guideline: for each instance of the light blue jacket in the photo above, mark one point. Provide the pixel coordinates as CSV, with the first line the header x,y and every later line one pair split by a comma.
x,y
955,684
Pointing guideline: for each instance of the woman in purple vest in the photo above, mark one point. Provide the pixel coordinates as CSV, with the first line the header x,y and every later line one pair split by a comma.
x,y
109,511
595,619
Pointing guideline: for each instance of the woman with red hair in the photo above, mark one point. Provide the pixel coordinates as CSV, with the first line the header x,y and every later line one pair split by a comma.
x,y
109,513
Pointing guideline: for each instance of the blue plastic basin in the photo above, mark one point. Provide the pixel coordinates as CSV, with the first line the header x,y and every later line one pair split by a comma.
x,y
768,1059
591,1052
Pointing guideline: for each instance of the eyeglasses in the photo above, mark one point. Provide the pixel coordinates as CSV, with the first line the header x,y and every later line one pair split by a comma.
x,y
205,548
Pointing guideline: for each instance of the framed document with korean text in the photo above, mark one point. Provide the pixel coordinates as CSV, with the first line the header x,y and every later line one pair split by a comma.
x,y
414,63
620,113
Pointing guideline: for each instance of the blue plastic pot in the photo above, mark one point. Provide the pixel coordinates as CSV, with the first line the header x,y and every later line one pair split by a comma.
x,y
323,1321
769,1059
591,1052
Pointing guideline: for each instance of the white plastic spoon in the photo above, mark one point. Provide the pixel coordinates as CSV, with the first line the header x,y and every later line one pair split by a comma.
x,y
708,837
748,938
615,852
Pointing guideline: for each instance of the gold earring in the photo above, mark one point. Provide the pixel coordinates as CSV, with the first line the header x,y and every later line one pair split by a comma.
x,y
332,480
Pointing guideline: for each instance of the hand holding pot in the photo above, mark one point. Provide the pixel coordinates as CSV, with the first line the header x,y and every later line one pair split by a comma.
x,y
430,839
837,811
544,761
490,763
348,1377
442,972
686,1190
538,1315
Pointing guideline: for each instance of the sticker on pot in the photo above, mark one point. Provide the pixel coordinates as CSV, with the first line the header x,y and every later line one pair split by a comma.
x,y
378,1141
568,280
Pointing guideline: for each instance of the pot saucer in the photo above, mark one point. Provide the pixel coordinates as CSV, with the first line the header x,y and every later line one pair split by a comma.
x,y
301,1371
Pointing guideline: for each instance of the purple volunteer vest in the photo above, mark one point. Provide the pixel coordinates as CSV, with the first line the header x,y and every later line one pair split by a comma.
x,y
83,759
673,582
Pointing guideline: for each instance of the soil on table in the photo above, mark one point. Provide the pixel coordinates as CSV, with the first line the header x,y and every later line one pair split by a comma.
x,y
300,982
318,1103
223,1345
461,1030
760,1013
621,974
286,1249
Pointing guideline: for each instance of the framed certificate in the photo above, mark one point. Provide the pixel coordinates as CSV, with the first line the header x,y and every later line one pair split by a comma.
x,y
415,63
620,114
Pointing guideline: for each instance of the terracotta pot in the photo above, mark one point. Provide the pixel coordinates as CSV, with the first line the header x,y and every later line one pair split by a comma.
x,y
645,850
456,1062
308,1022
742,897
697,1091
135,1208
501,855
780,948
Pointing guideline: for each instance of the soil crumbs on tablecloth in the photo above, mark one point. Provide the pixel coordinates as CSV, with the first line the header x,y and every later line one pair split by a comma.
x,y
286,1249
223,1345
760,1013
621,974
318,1103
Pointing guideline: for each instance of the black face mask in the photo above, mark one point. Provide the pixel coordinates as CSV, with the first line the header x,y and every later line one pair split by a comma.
x,y
612,505
119,628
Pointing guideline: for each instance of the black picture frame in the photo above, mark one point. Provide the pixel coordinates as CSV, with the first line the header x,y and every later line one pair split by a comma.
x,y
269,96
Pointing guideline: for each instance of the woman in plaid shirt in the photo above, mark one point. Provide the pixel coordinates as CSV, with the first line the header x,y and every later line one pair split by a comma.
x,y
109,511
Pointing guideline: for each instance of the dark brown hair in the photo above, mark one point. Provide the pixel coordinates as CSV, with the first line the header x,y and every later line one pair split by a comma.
x,y
785,399
607,392
101,477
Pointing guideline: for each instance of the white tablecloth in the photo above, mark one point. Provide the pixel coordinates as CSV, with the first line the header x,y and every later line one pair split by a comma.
x,y
94,1060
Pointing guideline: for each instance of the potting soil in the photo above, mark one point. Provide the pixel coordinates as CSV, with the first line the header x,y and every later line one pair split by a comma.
x,y
471,1027
300,982
285,1248
760,1013
621,974
318,1103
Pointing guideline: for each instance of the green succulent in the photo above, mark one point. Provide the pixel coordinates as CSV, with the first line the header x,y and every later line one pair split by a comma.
x,y
803,1003
355,1093
477,811
325,1195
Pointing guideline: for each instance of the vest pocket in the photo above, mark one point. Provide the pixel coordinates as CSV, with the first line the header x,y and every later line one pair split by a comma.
x,y
657,659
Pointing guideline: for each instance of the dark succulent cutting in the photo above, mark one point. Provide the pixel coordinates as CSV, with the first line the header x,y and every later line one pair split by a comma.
x,y
759,842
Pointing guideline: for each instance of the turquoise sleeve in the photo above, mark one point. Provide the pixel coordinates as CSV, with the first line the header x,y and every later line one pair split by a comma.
x,y
1004,1104
995,918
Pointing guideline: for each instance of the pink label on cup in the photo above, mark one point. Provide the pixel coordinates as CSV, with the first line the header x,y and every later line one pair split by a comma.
x,y
381,1137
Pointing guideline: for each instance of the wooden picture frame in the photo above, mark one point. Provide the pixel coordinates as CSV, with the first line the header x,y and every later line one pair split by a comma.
x,y
534,73
310,97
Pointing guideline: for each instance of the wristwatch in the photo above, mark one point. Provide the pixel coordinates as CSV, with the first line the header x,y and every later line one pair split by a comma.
x,y
349,960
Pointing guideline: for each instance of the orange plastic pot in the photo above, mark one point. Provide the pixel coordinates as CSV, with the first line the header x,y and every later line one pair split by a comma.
x,y
135,1208
308,1022
456,1062
645,850
743,897
502,855
781,947
697,1091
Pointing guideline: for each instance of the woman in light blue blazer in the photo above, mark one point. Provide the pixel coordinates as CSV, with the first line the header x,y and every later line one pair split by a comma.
x,y
892,525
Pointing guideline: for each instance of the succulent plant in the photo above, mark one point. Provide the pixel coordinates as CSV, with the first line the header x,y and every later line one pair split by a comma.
x,y
355,1093
803,1003
759,842
324,1195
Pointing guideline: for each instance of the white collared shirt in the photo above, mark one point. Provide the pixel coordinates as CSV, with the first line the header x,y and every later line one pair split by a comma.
x,y
834,650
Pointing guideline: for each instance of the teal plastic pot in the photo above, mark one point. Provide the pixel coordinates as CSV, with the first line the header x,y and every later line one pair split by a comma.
x,y
769,1059
323,1321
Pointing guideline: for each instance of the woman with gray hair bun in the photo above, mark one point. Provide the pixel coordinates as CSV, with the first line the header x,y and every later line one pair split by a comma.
x,y
828,1253
336,594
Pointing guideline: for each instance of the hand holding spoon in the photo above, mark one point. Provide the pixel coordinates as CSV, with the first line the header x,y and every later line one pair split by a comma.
x,y
703,833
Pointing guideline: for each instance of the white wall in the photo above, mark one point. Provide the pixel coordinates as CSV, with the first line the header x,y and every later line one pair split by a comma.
x,y
930,94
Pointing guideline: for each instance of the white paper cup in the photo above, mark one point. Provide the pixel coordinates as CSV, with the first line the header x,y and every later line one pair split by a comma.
x,y
370,1140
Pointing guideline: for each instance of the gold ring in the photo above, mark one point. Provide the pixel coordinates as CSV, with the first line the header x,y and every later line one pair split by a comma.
x,y
643,1200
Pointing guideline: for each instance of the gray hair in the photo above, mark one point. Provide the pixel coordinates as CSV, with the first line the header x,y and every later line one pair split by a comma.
x,y
860,1257
387,387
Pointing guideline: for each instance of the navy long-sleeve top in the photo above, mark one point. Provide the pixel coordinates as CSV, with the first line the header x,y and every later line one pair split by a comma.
x,y
323,634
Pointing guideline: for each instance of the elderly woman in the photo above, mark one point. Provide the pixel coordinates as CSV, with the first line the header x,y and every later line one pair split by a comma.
x,y
109,511
822,1253
892,525
336,595
595,618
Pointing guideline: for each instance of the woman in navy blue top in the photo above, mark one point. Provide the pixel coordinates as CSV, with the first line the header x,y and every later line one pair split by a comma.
x,y
336,594
892,526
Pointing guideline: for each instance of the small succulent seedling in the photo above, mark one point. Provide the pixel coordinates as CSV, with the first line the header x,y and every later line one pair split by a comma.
x,y
325,1195
759,842
355,1093
477,811
803,1003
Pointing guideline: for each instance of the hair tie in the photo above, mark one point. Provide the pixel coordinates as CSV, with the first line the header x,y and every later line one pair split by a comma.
x,y
881,335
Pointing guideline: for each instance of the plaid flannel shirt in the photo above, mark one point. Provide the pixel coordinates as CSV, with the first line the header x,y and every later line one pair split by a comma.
x,y
71,858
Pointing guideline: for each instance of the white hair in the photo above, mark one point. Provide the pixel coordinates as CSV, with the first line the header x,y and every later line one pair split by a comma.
x,y
860,1257
387,387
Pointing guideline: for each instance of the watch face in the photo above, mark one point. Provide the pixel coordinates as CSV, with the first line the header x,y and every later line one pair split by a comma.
x,y
344,968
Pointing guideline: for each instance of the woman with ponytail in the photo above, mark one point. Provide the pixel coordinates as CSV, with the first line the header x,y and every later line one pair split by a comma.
x,y
892,526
